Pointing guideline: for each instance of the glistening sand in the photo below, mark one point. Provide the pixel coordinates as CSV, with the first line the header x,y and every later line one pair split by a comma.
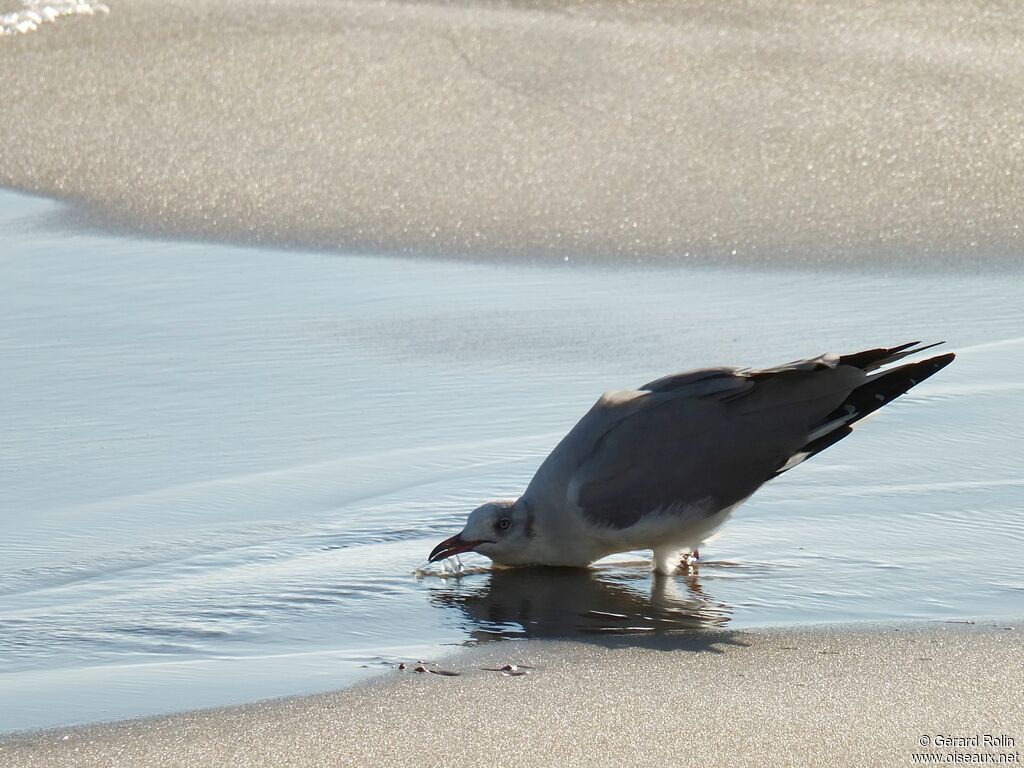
x,y
220,465
598,130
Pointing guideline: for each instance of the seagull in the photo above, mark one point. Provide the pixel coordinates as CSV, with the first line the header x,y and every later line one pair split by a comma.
x,y
662,467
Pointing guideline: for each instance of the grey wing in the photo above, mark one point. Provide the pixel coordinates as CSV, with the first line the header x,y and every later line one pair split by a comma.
x,y
711,437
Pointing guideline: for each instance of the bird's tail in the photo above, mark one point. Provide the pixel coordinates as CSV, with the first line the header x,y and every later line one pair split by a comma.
x,y
876,391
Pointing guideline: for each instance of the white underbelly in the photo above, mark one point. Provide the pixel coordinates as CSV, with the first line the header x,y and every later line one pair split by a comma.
x,y
683,529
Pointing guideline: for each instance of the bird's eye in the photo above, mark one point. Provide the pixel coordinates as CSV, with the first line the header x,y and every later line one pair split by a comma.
x,y
503,524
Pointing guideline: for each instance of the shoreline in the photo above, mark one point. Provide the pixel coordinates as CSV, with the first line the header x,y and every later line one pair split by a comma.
x,y
485,130
69,215
138,565
524,133
779,696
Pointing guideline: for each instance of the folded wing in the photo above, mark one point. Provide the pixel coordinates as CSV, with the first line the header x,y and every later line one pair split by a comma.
x,y
713,437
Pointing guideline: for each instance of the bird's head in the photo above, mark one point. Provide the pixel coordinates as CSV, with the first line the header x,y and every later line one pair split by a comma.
x,y
498,529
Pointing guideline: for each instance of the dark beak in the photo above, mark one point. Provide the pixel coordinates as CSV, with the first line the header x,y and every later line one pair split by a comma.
x,y
452,546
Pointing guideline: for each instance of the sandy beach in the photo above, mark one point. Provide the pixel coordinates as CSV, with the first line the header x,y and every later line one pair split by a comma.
x,y
223,464
787,697
747,131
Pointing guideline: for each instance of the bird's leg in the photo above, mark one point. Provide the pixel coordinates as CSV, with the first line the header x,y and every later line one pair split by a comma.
x,y
665,561
670,561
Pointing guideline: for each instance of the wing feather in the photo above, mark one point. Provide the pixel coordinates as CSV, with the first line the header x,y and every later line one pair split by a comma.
x,y
713,436
675,447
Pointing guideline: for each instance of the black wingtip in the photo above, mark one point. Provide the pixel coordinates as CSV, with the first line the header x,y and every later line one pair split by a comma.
x,y
940,361
873,359
916,349
908,345
884,387
877,391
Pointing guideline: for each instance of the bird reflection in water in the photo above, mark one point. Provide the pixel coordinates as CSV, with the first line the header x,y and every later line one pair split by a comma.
x,y
578,602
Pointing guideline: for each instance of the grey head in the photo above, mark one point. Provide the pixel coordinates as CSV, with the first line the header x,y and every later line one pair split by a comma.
x,y
501,530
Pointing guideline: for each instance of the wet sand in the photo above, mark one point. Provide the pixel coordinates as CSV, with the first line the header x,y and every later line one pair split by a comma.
x,y
750,132
851,133
787,697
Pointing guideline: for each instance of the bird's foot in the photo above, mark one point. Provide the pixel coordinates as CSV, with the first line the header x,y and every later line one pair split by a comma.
x,y
688,562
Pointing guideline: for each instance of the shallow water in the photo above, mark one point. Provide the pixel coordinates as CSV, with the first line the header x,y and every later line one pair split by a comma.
x,y
222,466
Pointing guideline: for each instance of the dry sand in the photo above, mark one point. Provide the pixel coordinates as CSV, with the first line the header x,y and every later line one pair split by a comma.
x,y
809,132
860,696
